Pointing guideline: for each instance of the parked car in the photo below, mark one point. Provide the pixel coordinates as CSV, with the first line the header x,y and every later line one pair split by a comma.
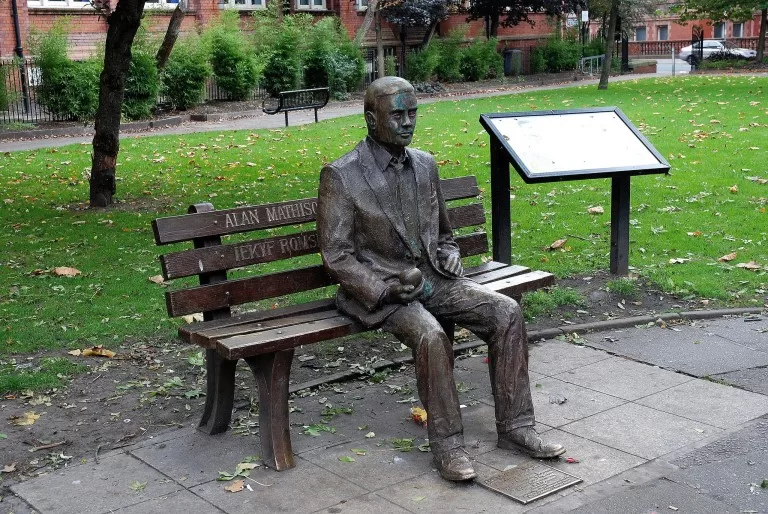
x,y
718,48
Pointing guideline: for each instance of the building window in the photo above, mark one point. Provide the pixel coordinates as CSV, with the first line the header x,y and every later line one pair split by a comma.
x,y
719,32
85,4
738,30
662,32
303,5
640,34
241,4
361,5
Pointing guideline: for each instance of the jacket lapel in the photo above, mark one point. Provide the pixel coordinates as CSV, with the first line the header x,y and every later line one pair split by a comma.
x,y
380,188
423,200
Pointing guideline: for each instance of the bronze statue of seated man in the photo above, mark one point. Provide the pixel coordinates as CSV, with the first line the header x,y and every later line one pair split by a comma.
x,y
385,236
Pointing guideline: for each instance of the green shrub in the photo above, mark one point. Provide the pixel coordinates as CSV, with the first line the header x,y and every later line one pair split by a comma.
x,y
332,59
448,65
420,65
185,75
480,60
557,55
233,66
594,47
142,84
5,95
390,65
68,89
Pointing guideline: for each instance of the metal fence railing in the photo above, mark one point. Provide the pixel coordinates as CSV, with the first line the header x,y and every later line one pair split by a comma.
x,y
591,65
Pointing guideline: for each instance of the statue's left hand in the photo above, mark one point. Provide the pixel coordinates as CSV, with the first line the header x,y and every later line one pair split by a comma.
x,y
450,262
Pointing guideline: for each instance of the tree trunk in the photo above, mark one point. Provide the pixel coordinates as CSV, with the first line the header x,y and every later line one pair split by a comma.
x,y
428,34
761,38
370,14
494,32
403,35
380,65
174,26
123,24
609,44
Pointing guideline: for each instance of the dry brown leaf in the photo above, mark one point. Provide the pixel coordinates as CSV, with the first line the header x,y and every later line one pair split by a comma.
x,y
751,265
596,210
734,189
727,258
419,415
236,486
9,468
695,234
76,353
27,419
65,271
557,244
98,351
157,279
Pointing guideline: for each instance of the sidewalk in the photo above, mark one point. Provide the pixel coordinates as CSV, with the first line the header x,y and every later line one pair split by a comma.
x,y
644,410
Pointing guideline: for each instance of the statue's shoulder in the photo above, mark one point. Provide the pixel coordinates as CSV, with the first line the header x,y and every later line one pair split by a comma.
x,y
351,158
421,156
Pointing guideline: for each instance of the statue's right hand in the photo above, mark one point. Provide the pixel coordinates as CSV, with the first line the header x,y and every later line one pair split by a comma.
x,y
405,294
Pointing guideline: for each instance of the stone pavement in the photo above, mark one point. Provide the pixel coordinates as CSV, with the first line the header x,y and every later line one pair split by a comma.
x,y
643,409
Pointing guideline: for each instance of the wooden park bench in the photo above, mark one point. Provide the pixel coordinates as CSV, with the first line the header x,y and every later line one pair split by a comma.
x,y
266,339
296,100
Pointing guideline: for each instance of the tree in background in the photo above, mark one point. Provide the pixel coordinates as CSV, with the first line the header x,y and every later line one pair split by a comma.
x,y
508,13
734,10
123,23
609,44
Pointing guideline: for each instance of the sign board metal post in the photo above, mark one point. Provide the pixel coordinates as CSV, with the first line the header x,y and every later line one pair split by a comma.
x,y
575,144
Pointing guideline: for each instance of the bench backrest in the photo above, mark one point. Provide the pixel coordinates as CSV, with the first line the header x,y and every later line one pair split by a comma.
x,y
303,98
213,256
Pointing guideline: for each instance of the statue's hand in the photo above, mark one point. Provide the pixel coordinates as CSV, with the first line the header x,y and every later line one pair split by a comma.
x,y
405,294
450,262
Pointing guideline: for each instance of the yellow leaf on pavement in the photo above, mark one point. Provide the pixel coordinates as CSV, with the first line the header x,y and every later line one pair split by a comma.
x,y
236,486
98,351
27,419
419,415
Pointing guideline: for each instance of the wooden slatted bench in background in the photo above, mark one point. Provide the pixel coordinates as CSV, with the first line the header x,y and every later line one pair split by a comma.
x,y
266,339
297,100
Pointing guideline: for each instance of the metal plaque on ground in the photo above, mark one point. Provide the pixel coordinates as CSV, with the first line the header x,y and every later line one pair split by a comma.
x,y
529,482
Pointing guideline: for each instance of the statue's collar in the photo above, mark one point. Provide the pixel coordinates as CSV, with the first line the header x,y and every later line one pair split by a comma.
x,y
382,157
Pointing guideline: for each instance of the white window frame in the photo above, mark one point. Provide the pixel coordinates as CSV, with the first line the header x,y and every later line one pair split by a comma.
x,y
644,32
247,5
665,29
719,27
738,30
361,5
311,5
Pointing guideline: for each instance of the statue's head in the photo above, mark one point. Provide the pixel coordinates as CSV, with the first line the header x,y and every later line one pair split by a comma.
x,y
390,112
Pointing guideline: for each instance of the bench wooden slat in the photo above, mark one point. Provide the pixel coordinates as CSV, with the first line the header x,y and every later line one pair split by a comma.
x,y
484,268
187,332
256,251
519,284
208,338
498,274
459,188
239,347
472,244
238,292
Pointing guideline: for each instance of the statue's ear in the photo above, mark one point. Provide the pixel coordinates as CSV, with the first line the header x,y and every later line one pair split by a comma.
x,y
370,120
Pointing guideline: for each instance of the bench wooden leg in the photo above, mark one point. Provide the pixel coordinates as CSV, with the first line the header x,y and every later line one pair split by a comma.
x,y
272,372
286,118
220,393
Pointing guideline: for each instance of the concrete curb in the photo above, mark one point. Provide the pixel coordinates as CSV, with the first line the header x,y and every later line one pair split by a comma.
x,y
538,335
88,130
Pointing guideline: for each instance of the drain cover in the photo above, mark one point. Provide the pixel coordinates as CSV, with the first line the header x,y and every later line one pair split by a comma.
x,y
529,482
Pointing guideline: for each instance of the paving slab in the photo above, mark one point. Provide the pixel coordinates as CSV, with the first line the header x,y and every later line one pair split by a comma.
x,y
305,488
181,501
640,430
369,503
739,329
696,352
552,357
198,457
715,404
376,463
623,378
115,482
754,380
557,403
656,496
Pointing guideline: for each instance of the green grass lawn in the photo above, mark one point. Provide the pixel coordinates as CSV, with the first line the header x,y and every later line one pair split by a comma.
x,y
713,130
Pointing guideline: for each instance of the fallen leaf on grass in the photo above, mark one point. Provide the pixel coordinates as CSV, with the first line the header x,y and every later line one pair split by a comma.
x,y
157,279
419,415
694,234
727,258
758,180
734,189
557,244
76,353
27,419
9,468
596,210
751,265
678,260
236,486
98,351
64,271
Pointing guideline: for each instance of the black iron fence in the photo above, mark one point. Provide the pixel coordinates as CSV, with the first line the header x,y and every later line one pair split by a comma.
x,y
19,102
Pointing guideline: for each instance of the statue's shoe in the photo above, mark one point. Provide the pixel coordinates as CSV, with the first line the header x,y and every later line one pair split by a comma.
x,y
528,441
454,465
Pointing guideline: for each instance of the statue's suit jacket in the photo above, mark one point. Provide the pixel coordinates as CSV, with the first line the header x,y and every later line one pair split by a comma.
x,y
363,239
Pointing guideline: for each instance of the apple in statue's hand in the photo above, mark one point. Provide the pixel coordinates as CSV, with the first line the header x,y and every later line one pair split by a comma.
x,y
411,277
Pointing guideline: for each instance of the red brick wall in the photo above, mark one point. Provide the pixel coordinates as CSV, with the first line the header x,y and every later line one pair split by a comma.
x,y
7,30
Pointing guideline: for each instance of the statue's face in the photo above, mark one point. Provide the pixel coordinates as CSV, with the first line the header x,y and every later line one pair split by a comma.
x,y
395,119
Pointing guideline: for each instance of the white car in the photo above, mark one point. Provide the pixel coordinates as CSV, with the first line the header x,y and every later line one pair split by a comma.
x,y
716,47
